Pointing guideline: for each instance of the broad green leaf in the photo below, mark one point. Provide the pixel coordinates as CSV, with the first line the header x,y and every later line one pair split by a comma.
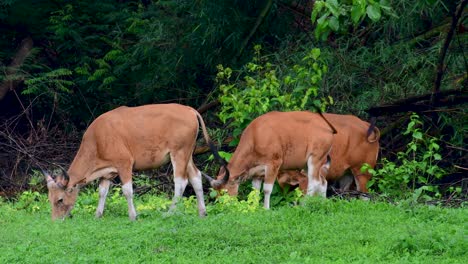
x,y
334,7
356,14
333,23
373,12
385,5
417,135
322,22
318,6
315,53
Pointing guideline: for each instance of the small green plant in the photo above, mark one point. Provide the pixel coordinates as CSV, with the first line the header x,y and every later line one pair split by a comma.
x,y
87,201
223,154
281,197
414,170
225,203
31,201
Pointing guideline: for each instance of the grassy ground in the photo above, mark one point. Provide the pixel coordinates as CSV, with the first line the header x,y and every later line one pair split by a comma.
x,y
320,231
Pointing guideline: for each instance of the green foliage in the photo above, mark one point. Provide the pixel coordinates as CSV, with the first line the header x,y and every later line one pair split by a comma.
x,y
94,56
47,82
262,89
225,203
339,16
392,59
431,243
223,154
414,170
373,232
285,197
31,201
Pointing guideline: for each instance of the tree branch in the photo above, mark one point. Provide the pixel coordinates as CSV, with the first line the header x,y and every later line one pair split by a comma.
x,y
207,106
259,21
421,102
443,52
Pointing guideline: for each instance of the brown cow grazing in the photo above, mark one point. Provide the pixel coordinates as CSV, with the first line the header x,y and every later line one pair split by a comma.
x,y
129,138
278,141
355,144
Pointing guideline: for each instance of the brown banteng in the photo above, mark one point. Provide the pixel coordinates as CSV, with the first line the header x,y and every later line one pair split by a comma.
x,y
277,141
356,143
129,138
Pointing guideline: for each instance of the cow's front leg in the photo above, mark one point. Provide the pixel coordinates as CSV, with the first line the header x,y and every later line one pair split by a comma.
x,y
271,173
103,191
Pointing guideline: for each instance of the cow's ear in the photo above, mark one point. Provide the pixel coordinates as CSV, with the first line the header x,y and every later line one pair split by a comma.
x,y
61,181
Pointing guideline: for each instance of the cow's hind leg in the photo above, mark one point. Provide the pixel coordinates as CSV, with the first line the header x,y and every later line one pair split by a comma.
x,y
125,174
317,184
361,178
196,181
179,165
127,190
103,191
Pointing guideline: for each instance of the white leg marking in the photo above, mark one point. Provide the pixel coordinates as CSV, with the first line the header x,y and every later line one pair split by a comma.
x,y
196,182
179,187
267,188
314,186
310,181
257,183
127,190
318,188
103,191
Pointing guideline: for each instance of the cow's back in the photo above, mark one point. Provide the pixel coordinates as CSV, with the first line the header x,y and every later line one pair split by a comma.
x,y
289,136
145,133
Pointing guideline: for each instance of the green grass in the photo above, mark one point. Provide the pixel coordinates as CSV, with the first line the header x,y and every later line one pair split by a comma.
x,y
320,231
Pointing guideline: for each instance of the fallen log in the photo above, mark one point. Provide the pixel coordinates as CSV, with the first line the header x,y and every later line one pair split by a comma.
x,y
422,103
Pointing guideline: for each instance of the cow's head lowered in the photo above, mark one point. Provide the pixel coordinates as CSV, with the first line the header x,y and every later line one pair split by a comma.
x,y
62,199
222,181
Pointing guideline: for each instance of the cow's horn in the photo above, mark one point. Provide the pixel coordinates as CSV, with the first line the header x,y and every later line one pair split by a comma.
x,y
47,176
208,178
224,180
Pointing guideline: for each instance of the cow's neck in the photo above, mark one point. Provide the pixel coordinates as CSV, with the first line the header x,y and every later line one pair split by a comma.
x,y
80,168
237,168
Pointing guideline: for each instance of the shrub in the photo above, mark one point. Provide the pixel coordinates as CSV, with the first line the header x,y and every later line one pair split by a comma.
x,y
267,87
414,170
226,203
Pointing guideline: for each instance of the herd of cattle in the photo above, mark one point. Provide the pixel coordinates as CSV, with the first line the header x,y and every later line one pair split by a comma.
x,y
275,146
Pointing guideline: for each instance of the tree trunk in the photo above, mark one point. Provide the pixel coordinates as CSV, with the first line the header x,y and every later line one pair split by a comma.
x,y
23,52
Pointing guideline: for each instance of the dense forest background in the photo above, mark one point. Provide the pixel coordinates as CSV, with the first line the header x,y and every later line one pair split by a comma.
x,y
63,63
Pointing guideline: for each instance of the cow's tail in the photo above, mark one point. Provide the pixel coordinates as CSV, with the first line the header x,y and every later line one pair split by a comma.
x,y
319,111
373,130
214,183
212,147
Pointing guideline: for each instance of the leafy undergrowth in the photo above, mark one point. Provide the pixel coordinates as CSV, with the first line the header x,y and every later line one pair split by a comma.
x,y
318,231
